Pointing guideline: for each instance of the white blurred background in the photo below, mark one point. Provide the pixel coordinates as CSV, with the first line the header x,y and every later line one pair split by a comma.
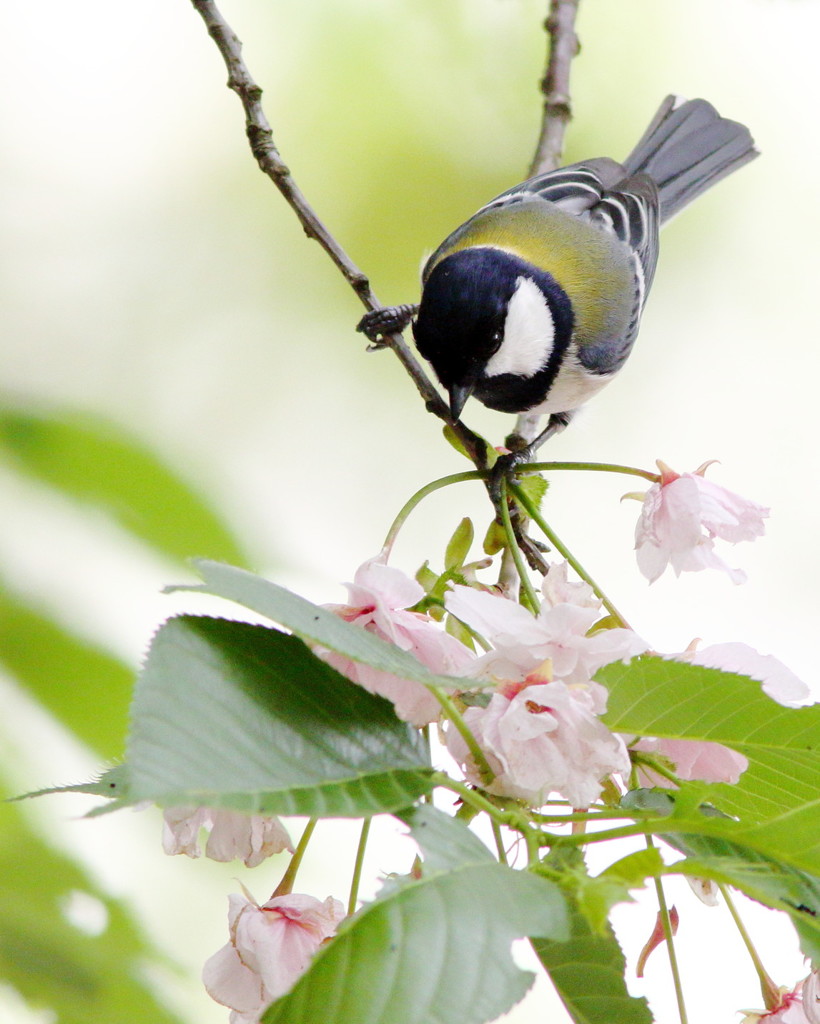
x,y
151,274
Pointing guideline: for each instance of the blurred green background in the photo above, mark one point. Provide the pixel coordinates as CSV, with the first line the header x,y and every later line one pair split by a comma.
x,y
180,376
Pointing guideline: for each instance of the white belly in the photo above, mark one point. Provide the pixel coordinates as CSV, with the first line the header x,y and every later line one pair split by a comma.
x,y
573,386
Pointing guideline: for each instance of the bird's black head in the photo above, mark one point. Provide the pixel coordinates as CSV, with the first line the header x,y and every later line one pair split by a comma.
x,y
493,325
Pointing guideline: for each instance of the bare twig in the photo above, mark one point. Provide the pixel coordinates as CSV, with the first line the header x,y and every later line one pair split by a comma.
x,y
563,46
271,163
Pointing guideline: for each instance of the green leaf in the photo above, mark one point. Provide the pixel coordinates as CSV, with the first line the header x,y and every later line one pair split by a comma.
x,y
495,539
426,578
444,841
597,896
228,714
534,486
762,878
657,697
436,951
763,864
313,623
113,784
87,689
490,454
459,544
90,459
588,974
80,977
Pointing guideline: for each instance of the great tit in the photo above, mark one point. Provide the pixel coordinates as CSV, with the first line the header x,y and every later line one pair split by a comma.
x,y
533,304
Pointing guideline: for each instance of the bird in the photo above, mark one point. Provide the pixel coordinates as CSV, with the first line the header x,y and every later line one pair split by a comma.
x,y
534,303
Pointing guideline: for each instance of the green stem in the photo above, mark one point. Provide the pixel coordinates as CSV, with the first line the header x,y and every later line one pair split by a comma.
x,y
563,550
531,467
771,995
286,885
357,867
499,841
609,814
670,943
485,772
515,820
533,840
594,467
652,764
410,504
638,829
512,546
479,802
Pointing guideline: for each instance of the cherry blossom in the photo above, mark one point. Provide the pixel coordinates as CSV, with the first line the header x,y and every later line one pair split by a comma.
x,y
379,598
542,737
270,946
233,835
560,632
680,519
713,762
540,731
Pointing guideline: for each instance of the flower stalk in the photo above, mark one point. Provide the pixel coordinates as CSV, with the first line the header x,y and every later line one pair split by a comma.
x,y
770,992
357,867
668,934
285,886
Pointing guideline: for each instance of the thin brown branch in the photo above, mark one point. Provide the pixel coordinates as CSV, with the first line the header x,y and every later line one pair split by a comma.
x,y
260,137
264,149
563,46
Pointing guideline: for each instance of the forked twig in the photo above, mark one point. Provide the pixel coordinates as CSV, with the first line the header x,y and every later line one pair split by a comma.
x,y
555,86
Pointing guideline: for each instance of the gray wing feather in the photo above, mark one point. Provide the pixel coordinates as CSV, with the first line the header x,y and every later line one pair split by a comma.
x,y
602,193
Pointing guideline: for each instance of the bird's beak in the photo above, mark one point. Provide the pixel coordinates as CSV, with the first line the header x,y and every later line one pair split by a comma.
x,y
459,393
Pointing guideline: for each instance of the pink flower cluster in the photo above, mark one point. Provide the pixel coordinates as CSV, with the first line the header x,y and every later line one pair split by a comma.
x,y
534,716
540,731
536,719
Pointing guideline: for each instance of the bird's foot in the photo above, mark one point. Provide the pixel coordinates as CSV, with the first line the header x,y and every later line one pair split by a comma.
x,y
386,320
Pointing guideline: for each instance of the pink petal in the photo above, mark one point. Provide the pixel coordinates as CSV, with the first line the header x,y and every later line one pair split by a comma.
x,y
681,516
558,589
251,838
695,759
545,739
779,682
180,829
229,982
729,516
494,617
811,997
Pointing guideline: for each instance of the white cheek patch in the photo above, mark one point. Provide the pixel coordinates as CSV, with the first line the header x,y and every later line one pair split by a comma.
x,y
529,333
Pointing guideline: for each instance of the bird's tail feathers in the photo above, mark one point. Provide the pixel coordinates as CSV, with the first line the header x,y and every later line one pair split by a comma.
x,y
687,148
